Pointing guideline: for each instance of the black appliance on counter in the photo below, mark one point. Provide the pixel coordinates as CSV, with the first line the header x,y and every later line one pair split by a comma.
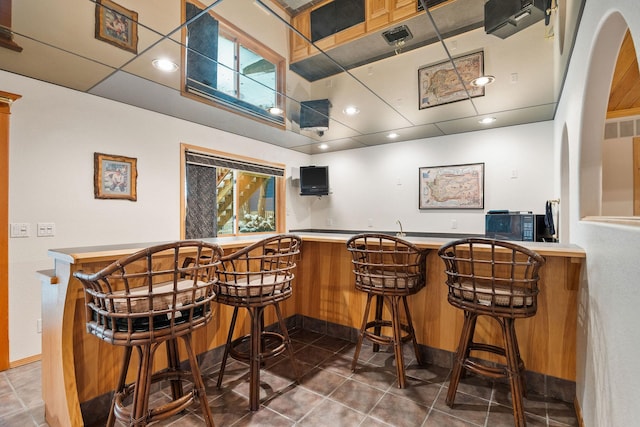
x,y
527,227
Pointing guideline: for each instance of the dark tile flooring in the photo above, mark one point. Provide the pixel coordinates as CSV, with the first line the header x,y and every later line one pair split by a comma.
x,y
329,394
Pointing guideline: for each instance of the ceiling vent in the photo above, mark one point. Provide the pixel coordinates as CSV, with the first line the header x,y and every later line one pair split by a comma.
x,y
397,36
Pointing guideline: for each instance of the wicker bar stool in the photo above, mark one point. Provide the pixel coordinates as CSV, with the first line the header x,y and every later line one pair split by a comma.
x,y
154,296
389,269
498,279
256,277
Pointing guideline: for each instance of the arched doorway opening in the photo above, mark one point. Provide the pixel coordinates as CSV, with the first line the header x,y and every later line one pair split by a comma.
x,y
596,94
620,147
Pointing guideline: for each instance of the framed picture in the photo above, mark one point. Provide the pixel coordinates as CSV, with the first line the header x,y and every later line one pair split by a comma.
x,y
452,187
117,25
114,177
439,83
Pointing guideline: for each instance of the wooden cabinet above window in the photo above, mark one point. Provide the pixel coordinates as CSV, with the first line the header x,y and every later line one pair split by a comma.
x,y
364,42
321,24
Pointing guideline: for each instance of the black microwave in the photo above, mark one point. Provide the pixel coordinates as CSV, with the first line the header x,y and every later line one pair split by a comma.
x,y
511,226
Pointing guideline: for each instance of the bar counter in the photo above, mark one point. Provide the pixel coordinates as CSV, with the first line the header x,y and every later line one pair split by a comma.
x,y
78,368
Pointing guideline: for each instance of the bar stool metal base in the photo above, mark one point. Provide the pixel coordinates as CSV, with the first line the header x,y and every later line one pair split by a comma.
x,y
396,339
138,412
513,371
259,350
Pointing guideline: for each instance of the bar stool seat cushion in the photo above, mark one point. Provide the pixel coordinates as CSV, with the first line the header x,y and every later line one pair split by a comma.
x,y
161,298
391,279
136,304
253,285
488,294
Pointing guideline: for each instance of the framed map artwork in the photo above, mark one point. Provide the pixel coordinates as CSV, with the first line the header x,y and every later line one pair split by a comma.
x,y
440,84
452,187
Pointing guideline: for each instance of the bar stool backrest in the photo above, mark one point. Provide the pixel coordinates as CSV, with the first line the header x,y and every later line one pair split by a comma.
x,y
155,294
492,277
386,264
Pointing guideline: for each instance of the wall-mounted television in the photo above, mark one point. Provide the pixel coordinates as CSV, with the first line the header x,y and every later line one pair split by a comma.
x,y
314,180
314,115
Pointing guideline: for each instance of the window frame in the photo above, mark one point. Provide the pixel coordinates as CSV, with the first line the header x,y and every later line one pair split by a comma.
x,y
240,38
280,189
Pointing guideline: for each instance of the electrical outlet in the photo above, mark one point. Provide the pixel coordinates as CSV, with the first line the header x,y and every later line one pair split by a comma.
x,y
454,223
39,326
370,222
46,229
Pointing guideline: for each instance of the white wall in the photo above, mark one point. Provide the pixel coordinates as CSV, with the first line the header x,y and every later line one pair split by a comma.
x,y
608,340
617,177
54,133
374,187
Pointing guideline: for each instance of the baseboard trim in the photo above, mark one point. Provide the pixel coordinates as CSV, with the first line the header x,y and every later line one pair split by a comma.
x,y
25,361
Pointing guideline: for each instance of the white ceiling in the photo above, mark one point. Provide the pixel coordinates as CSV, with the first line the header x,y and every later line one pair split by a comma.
x,y
57,37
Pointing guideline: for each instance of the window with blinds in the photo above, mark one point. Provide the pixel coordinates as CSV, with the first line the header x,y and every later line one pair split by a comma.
x,y
229,68
228,195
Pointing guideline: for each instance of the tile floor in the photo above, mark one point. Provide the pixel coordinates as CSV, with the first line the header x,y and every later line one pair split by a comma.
x,y
329,394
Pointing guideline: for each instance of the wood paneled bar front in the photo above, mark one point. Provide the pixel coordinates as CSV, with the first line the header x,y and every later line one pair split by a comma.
x,y
78,368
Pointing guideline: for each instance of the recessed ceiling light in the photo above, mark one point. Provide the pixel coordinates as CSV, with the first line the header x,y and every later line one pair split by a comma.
x,y
487,120
323,146
275,110
392,135
482,81
351,110
163,64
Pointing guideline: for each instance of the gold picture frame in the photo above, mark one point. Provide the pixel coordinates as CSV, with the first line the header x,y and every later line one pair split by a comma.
x,y
117,25
439,83
115,177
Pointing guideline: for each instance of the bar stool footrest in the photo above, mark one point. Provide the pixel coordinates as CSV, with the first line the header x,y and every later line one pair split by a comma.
x,y
385,339
482,368
268,338
122,412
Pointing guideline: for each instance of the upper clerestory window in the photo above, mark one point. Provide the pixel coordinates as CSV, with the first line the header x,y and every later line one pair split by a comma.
x,y
229,68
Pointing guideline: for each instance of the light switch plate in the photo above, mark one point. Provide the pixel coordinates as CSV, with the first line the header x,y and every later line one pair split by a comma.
x,y
20,229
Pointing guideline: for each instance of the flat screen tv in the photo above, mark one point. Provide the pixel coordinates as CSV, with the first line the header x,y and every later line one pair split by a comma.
x,y
314,180
314,115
